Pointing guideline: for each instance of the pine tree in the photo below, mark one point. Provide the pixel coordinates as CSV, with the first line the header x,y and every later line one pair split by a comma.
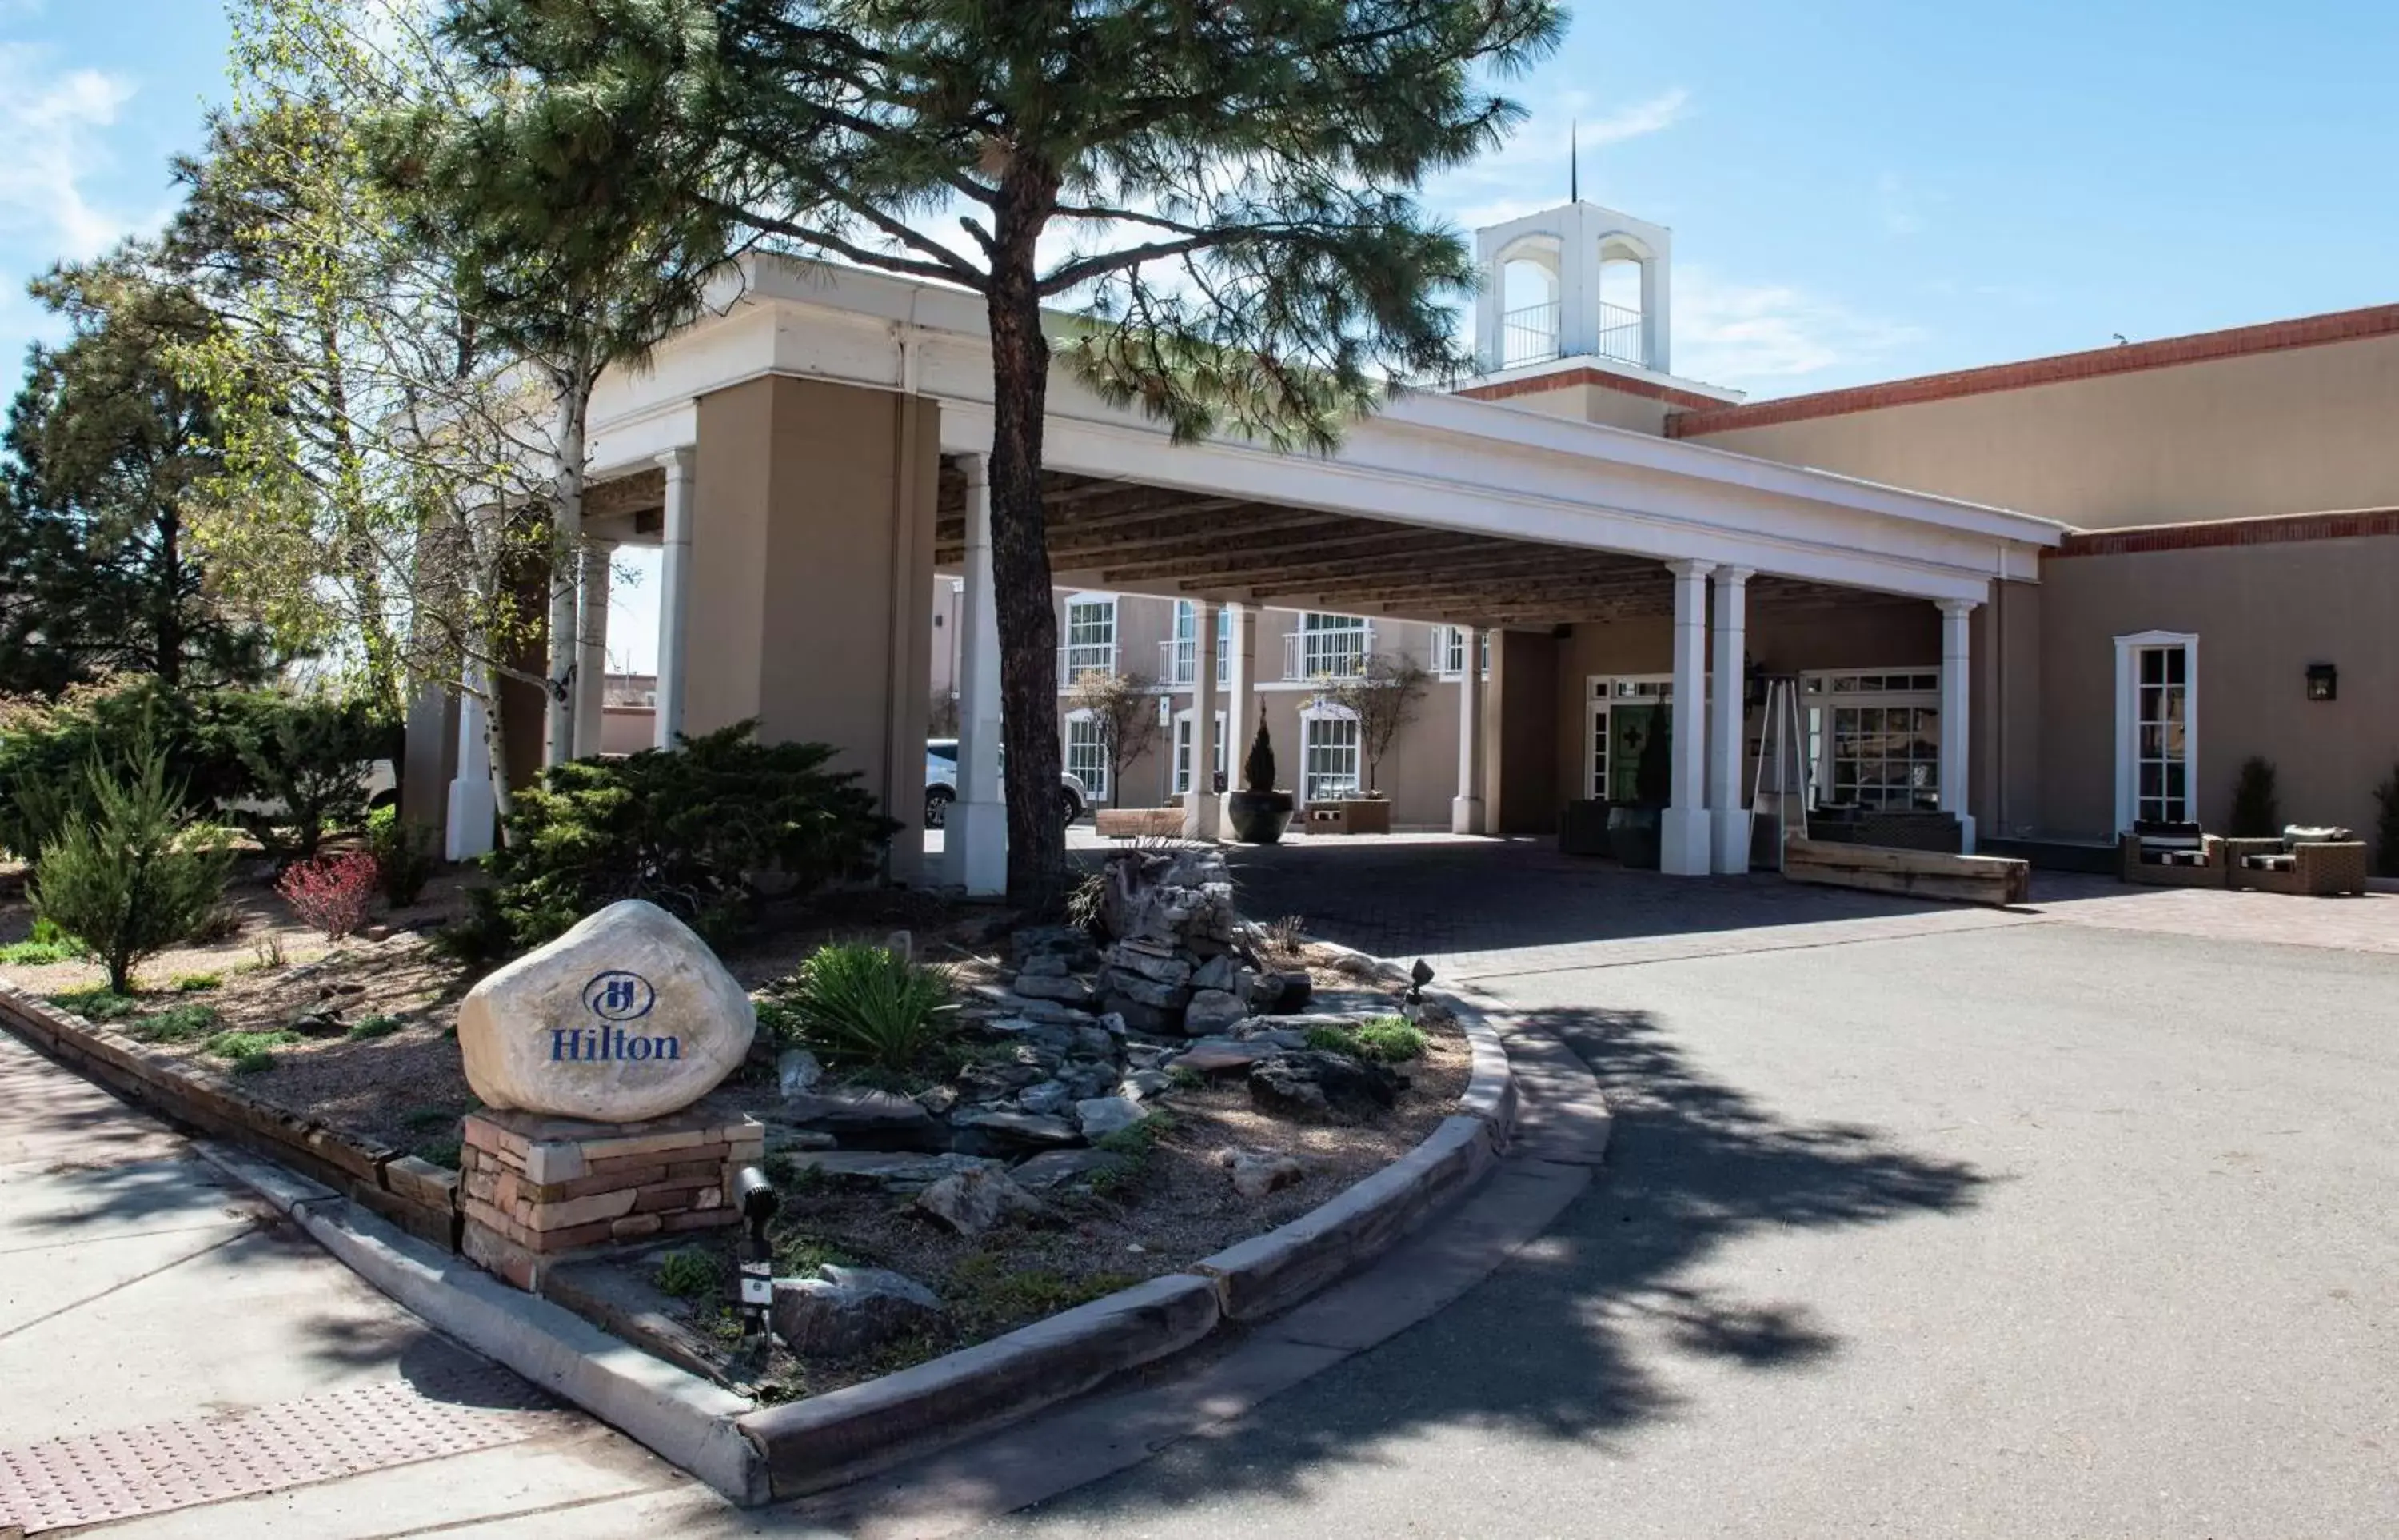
x,y
1226,191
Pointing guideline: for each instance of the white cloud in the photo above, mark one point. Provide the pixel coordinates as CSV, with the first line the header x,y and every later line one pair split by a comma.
x,y
1530,173
1660,112
52,129
1760,335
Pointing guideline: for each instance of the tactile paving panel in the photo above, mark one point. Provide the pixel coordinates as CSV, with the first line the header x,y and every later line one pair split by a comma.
x,y
458,1407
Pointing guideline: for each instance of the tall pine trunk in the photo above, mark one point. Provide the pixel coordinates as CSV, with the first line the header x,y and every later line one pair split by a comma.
x,y
566,565
1020,554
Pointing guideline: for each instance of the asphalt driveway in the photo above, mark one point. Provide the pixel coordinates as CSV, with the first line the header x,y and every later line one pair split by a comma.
x,y
1918,1220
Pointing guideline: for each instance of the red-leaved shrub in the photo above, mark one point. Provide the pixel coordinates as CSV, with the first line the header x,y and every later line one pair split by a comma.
x,y
332,892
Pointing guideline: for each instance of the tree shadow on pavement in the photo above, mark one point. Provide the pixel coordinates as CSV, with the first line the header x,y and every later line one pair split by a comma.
x,y
1575,1340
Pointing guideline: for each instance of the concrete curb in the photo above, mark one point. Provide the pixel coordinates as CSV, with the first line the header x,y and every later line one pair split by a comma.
x,y
684,1418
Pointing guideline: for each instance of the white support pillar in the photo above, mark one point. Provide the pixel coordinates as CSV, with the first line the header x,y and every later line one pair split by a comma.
x,y
592,646
1466,809
674,594
1956,713
975,839
1240,695
1204,810
466,831
1728,815
1683,846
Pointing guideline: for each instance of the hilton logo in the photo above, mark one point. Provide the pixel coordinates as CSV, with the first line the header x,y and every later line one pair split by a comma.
x,y
614,998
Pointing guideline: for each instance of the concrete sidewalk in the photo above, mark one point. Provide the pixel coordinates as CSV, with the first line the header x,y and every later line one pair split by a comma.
x,y
179,1360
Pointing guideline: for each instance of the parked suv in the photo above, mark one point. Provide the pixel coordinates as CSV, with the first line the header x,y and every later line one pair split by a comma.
x,y
941,783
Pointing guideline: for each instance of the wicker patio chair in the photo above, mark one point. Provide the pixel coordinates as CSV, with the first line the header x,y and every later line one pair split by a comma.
x,y
2173,861
2314,867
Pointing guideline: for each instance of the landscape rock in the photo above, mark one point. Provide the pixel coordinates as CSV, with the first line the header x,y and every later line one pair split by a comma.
x,y
1047,1097
627,1016
782,1139
1063,988
850,1310
1142,1085
900,1170
1281,993
1315,1081
972,1202
1216,973
1222,1056
1032,940
799,1070
1014,1127
1254,1176
1089,1080
322,1021
938,1100
1103,1115
1046,964
1144,1056
1054,1169
1141,962
1213,1011
1143,1018
1134,987
866,1119
991,1082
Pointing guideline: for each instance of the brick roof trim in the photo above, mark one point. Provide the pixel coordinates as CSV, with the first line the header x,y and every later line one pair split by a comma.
x,y
2269,530
2165,353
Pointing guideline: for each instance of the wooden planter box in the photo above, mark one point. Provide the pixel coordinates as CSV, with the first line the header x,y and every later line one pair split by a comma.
x,y
1350,815
1134,823
1920,873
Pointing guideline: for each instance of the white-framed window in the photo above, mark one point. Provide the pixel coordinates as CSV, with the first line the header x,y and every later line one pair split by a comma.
x,y
1620,712
1180,668
1327,647
1450,649
1183,749
1087,753
2157,728
1090,637
1874,739
1329,757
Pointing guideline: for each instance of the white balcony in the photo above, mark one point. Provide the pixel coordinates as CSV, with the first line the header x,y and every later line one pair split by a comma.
x,y
1176,662
1088,657
1326,654
1532,335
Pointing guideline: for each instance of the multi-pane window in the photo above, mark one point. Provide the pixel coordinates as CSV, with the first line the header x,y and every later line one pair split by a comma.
x,y
1091,639
2161,782
1086,754
1874,739
1182,750
1452,651
1329,758
1621,715
1182,660
1330,646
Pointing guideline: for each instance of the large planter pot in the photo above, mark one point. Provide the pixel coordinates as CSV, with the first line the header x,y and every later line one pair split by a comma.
x,y
1367,815
1633,835
1259,817
1582,828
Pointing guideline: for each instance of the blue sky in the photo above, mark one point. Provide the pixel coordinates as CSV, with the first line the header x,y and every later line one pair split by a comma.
x,y
1859,189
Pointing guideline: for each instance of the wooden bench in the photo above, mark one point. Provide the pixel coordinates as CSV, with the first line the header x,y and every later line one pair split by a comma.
x,y
1920,874
1134,823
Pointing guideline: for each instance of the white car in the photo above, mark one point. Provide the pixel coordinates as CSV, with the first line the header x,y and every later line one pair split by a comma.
x,y
941,783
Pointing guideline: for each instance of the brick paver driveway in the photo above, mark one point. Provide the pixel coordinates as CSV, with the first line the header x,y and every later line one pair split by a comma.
x,y
1920,1221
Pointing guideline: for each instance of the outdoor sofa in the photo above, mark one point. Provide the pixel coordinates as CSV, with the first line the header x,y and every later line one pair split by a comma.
x,y
2173,855
2316,862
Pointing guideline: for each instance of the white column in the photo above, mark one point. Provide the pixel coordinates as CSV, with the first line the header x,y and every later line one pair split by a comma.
x,y
1466,809
466,831
1204,810
592,651
1727,814
1956,712
674,593
1684,847
1241,697
975,840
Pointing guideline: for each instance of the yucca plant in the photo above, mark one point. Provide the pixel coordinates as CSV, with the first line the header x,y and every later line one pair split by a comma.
x,y
857,1003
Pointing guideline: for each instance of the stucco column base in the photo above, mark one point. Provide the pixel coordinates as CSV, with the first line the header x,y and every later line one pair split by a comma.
x,y
1731,839
466,832
974,847
1685,846
1202,810
1466,815
1965,833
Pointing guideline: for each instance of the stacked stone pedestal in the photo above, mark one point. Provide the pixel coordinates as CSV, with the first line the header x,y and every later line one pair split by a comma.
x,y
534,1190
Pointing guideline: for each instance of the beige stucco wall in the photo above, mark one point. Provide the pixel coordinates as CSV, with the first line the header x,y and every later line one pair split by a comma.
x,y
811,576
2262,614
2299,430
1589,403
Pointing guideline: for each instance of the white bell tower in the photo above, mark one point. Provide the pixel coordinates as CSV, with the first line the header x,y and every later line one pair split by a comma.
x,y
1572,282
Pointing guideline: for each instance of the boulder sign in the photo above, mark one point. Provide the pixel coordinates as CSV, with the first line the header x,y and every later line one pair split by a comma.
x,y
625,1017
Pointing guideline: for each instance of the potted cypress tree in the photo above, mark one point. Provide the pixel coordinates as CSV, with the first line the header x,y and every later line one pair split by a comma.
x,y
1259,813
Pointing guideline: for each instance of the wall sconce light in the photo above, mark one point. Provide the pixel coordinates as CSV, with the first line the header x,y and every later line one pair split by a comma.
x,y
2323,682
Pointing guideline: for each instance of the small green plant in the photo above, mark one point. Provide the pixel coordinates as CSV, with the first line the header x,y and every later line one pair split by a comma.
x,y
47,944
1391,1040
250,1053
1184,1079
137,875
688,1273
266,952
798,1254
185,1023
1287,934
97,1003
2386,827
1137,1139
444,1153
987,1293
778,1021
403,856
196,984
424,1119
2257,808
857,1003
373,1026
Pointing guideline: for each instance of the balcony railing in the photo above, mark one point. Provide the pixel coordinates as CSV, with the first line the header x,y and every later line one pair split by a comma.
x,y
1076,660
1325,654
1176,659
1528,334
1619,335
